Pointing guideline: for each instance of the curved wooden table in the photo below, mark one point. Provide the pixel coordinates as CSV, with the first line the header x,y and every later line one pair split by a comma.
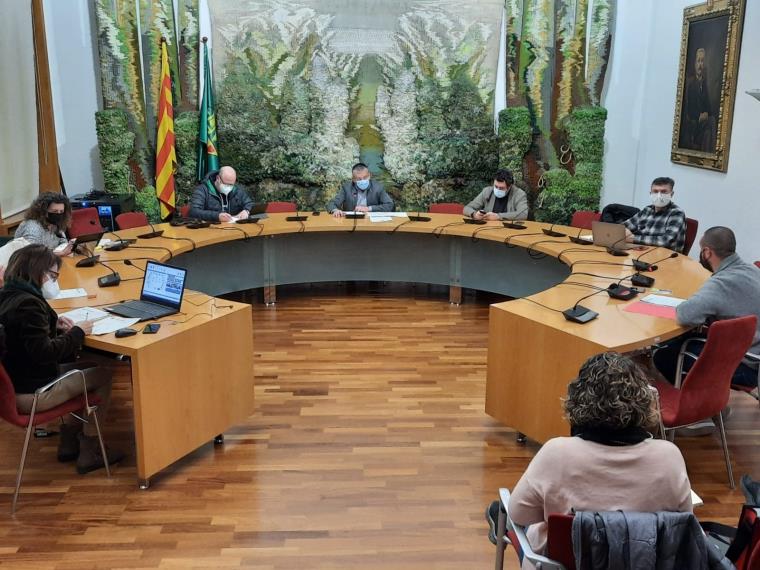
x,y
187,388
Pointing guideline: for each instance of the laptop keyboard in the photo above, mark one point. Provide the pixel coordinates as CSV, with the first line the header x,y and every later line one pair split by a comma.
x,y
140,309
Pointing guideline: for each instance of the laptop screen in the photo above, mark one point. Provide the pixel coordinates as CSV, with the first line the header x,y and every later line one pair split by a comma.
x,y
163,284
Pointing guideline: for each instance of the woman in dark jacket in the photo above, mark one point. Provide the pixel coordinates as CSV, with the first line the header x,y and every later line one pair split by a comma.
x,y
40,346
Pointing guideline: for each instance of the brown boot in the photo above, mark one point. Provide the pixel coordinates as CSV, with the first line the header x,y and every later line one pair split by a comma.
x,y
91,458
68,442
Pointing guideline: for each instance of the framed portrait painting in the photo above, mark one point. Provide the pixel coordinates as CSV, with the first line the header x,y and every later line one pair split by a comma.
x,y
710,45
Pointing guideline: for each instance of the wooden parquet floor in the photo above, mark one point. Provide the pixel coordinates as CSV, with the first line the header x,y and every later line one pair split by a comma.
x,y
369,449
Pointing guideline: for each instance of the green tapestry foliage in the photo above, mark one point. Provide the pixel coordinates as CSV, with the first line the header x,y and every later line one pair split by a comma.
x,y
566,193
515,138
146,202
186,141
115,144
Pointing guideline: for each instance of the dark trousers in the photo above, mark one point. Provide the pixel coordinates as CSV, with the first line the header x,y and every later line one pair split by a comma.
x,y
666,360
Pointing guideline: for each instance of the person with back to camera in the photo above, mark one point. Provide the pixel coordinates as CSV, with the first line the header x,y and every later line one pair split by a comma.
x,y
41,346
609,462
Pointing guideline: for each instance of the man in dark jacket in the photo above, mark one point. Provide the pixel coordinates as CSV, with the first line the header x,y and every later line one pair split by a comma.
x,y
360,194
219,198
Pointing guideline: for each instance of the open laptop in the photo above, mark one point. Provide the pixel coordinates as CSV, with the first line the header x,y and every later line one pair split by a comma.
x,y
610,235
162,290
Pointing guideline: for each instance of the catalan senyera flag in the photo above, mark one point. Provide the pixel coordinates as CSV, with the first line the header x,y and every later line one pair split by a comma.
x,y
208,157
166,156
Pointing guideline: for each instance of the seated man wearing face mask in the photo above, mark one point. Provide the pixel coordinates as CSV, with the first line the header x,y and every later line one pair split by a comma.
x,y
732,291
360,194
218,198
502,201
663,223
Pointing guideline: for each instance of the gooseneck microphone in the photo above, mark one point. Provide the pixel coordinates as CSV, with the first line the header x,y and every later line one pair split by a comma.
x,y
109,280
513,223
644,266
298,217
613,250
153,233
552,232
417,218
579,240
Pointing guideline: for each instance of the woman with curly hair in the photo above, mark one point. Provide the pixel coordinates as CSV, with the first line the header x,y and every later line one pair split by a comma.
x,y
46,222
611,461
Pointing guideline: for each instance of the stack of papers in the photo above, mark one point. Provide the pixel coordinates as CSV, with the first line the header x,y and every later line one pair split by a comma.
x,y
104,322
71,294
662,300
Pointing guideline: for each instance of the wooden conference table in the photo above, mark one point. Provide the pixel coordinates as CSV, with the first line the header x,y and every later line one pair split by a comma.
x,y
194,379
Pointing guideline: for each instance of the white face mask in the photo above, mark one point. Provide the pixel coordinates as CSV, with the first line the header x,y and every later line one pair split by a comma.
x,y
660,200
50,289
226,188
499,193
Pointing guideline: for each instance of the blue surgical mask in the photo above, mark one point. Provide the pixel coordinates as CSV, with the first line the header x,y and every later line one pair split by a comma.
x,y
499,193
362,184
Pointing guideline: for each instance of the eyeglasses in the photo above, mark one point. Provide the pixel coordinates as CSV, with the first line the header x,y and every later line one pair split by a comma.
x,y
53,275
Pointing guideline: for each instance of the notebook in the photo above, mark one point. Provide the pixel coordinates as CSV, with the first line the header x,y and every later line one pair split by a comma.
x,y
162,290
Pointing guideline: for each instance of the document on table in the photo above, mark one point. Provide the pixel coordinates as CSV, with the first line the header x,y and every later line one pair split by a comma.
x,y
104,322
71,293
662,300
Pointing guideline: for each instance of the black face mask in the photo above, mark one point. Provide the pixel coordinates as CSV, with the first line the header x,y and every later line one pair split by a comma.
x,y
703,263
55,219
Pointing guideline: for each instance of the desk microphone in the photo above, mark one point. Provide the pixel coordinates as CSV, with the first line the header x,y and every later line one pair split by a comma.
x,y
109,280
298,217
613,250
579,240
644,266
580,314
551,232
418,218
513,223
119,244
88,261
153,233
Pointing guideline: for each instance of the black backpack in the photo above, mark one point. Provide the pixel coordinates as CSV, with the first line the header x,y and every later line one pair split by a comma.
x,y
618,213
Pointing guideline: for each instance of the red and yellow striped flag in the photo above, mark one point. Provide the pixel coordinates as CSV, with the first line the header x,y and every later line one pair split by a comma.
x,y
166,156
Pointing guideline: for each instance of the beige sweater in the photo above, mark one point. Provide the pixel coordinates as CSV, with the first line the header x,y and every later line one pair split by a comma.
x,y
569,473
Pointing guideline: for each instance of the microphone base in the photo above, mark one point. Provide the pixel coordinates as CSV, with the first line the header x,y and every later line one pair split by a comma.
x,y
299,218
151,235
197,225
617,291
117,245
514,225
109,280
580,314
88,261
419,218
474,221
617,252
580,241
642,280
643,266
552,233
352,216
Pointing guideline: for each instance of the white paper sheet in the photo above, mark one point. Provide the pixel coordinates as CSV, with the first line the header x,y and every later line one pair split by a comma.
x,y
696,501
71,293
380,219
111,324
85,314
662,301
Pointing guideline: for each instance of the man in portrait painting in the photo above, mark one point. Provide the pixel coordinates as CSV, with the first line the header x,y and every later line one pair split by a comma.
x,y
699,124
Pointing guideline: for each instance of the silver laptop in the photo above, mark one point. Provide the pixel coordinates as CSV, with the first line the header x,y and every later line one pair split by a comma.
x,y
610,235
162,290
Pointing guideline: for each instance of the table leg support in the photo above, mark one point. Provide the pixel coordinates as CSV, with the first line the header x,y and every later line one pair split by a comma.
x,y
455,295
219,439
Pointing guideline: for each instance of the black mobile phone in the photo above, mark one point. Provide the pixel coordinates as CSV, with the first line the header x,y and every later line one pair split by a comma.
x,y
151,328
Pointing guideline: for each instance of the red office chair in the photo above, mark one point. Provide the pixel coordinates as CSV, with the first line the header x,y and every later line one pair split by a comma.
x,y
279,207
692,226
583,219
129,220
84,221
446,208
10,414
184,211
757,264
705,390
559,545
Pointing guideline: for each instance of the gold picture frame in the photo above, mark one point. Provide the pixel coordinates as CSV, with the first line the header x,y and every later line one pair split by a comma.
x,y
710,40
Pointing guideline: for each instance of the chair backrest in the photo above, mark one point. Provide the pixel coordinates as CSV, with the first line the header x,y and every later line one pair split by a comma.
x,y
84,221
707,386
757,264
131,220
692,226
8,410
184,211
583,219
446,208
559,541
279,207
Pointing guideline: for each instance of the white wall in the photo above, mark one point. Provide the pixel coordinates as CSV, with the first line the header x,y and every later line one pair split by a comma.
x,y
74,74
641,97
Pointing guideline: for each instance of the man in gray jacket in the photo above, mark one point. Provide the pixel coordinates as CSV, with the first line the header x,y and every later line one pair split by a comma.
x,y
502,201
360,194
732,291
218,198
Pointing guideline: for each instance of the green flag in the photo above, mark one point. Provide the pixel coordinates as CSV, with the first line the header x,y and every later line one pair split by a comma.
x,y
208,157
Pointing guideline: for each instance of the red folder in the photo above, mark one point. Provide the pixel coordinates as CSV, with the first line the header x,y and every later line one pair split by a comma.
x,y
652,310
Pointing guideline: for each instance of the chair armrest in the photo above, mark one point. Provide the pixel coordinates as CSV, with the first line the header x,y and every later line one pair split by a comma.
x,y
751,358
522,537
682,353
69,374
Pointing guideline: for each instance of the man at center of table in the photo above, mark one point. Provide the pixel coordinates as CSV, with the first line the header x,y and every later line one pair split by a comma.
x,y
501,201
360,194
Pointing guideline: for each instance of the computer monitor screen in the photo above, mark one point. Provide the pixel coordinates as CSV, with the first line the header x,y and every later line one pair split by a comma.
x,y
163,284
